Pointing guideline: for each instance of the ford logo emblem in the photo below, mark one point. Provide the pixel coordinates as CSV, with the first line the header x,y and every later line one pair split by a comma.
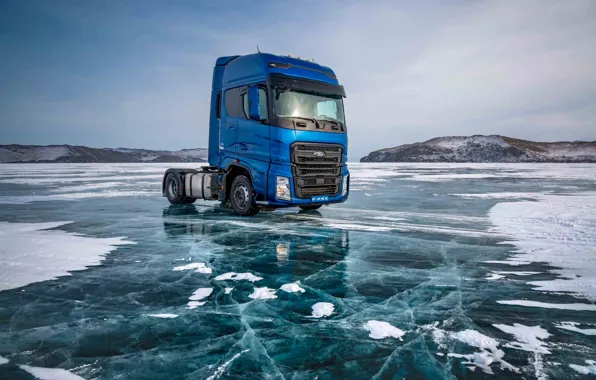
x,y
319,154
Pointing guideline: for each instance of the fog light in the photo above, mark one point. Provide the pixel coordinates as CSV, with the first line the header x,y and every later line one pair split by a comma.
x,y
283,189
344,186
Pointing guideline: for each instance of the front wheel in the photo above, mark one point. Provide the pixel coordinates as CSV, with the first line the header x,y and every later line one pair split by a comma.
x,y
242,197
310,207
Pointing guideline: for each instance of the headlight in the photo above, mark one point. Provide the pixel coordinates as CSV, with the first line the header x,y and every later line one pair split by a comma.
x,y
282,190
344,186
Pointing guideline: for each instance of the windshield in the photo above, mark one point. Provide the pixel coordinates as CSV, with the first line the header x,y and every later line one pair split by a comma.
x,y
294,103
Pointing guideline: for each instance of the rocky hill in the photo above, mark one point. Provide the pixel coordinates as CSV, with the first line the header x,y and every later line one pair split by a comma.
x,y
83,154
486,149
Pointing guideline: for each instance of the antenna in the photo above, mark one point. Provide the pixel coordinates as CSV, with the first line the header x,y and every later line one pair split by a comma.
x,y
258,49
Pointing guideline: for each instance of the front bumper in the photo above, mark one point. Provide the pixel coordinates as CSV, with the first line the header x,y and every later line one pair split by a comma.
x,y
286,171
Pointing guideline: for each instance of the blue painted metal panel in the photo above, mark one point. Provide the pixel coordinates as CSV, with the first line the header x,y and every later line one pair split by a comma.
x,y
252,140
282,138
258,170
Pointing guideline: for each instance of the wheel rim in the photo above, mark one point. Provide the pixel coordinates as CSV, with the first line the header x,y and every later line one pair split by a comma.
x,y
241,196
173,189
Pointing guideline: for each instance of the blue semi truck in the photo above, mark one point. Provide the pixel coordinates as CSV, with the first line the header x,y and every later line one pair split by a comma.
x,y
277,138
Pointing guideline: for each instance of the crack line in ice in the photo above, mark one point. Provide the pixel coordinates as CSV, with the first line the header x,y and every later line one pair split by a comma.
x,y
222,368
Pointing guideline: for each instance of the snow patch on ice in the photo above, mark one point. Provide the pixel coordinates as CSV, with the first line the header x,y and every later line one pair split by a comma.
x,y
475,339
322,309
589,369
263,294
382,330
233,276
572,326
50,373
195,304
544,305
292,288
165,316
504,195
3,360
489,352
529,338
229,290
200,268
559,230
201,293
496,275
34,252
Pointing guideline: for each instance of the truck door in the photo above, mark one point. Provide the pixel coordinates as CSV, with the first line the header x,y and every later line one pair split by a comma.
x,y
229,117
252,137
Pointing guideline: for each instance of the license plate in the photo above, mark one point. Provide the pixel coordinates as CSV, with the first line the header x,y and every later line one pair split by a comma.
x,y
320,198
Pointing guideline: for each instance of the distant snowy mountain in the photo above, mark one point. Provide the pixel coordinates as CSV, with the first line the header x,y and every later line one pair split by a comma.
x,y
69,153
486,149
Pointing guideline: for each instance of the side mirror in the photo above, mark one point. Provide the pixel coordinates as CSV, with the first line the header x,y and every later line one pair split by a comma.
x,y
254,111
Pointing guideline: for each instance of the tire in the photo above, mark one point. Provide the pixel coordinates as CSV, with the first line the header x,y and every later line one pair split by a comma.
x,y
242,197
174,191
310,207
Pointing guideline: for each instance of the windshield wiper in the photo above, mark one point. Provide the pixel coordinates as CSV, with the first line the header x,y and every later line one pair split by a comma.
x,y
332,121
311,119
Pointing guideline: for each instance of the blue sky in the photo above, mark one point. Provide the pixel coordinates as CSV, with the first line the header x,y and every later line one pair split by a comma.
x,y
138,73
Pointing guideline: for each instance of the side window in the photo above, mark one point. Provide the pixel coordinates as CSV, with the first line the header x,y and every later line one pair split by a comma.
x,y
218,105
263,103
232,100
245,105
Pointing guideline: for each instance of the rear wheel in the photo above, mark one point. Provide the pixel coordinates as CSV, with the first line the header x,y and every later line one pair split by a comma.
x,y
242,197
310,207
174,191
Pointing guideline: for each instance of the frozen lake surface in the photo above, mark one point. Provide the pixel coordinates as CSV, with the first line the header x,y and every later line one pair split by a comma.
x,y
428,271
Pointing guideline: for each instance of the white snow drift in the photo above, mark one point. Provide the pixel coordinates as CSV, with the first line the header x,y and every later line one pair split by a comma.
x,y
559,230
36,252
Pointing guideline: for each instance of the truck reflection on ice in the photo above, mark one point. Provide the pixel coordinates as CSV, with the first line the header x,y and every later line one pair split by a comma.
x,y
278,247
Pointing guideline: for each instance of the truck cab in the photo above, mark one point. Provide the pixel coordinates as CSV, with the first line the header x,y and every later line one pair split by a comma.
x,y
277,137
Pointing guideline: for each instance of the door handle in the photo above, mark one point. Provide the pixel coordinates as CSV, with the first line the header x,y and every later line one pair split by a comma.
x,y
242,146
